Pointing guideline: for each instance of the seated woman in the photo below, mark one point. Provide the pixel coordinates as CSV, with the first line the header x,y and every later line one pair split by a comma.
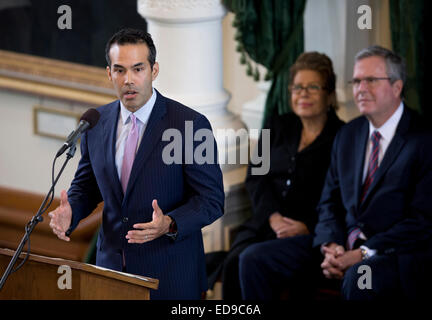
x,y
284,200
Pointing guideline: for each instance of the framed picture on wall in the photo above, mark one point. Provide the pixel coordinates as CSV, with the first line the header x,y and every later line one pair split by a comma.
x,y
53,123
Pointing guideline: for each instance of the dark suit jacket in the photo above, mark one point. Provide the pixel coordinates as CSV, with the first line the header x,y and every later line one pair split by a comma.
x,y
396,214
191,194
294,182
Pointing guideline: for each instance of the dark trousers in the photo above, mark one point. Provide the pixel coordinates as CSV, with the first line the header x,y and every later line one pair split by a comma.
x,y
393,277
230,272
270,267
266,268
376,278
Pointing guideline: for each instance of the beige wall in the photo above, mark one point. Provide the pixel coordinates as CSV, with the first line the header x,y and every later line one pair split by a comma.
x,y
25,158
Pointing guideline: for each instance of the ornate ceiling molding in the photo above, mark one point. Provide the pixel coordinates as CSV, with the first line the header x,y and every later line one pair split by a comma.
x,y
181,11
54,78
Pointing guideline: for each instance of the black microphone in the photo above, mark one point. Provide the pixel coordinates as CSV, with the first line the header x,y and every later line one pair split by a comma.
x,y
87,121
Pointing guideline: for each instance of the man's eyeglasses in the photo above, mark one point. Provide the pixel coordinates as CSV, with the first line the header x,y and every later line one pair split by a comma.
x,y
370,81
311,88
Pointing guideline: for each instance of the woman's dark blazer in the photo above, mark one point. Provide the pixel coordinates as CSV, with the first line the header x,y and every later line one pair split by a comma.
x,y
294,182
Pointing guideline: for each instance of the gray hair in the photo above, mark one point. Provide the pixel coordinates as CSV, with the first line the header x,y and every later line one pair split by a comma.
x,y
395,64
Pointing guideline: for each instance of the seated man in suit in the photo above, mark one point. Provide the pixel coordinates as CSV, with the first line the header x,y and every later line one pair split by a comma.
x,y
153,209
375,212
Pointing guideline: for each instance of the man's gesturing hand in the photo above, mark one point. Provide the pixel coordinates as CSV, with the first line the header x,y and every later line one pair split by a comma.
x,y
150,230
61,217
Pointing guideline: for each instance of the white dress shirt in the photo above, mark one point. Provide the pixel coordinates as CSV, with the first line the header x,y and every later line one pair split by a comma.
x,y
124,125
387,132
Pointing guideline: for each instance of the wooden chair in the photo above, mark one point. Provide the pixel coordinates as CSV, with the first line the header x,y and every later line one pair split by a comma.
x,y
17,207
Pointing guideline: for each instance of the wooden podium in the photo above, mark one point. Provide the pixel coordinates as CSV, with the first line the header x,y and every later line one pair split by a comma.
x,y
38,278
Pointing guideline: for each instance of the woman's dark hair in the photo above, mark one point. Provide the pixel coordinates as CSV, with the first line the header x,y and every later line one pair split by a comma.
x,y
322,64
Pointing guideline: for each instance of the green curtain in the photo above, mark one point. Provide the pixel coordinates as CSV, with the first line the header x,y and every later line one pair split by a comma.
x,y
271,33
410,23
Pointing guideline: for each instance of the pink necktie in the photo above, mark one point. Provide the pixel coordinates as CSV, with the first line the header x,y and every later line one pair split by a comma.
x,y
129,153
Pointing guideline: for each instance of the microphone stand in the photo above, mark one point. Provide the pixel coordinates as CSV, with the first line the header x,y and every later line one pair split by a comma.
x,y
35,220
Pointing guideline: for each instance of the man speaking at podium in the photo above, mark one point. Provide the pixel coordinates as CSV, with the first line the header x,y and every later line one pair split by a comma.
x,y
153,211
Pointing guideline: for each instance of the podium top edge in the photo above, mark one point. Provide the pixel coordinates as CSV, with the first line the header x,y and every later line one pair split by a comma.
x,y
121,276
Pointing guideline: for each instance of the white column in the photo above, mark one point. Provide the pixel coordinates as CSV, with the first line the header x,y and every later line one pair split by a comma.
x,y
188,40
253,110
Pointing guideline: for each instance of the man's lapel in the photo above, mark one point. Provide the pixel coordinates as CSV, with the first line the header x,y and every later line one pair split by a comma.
x,y
392,151
360,143
152,135
109,124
